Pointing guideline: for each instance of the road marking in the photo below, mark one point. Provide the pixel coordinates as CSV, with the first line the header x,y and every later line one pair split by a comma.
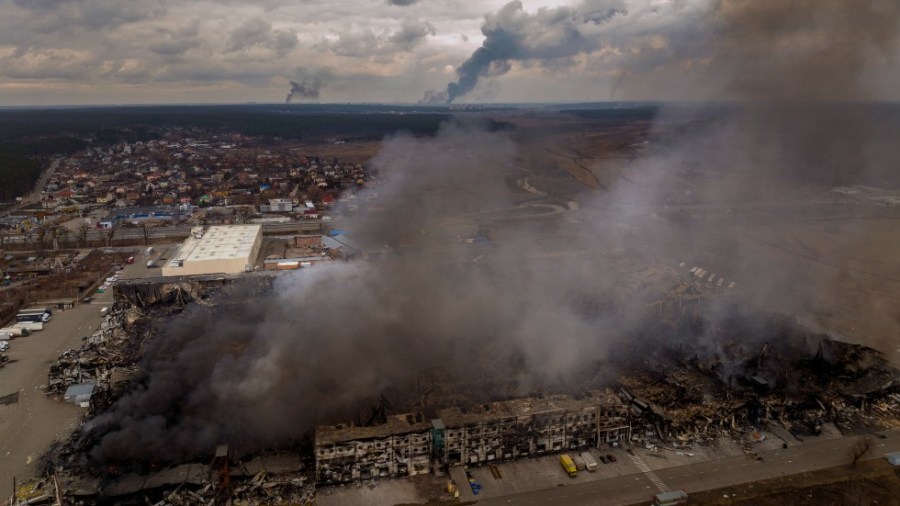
x,y
644,468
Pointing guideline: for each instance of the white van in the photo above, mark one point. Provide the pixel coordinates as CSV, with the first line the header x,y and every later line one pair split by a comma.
x,y
590,463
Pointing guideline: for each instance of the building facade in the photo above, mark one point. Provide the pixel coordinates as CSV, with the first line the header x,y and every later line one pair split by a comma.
x,y
498,431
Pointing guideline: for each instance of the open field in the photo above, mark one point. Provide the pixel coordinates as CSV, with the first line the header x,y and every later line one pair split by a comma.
x,y
871,482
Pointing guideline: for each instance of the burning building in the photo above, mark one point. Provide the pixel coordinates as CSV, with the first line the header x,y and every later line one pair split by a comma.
x,y
407,445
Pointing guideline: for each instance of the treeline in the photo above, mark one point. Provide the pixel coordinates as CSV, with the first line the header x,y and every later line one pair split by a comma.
x,y
105,125
18,174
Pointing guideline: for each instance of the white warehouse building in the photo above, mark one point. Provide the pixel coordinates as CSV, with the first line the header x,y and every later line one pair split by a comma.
x,y
227,249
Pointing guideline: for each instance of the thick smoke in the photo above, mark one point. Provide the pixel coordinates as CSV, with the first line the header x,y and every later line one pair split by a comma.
x,y
512,34
308,87
536,302
326,339
748,184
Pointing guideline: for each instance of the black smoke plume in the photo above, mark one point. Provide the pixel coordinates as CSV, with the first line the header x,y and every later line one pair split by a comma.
x,y
307,88
512,34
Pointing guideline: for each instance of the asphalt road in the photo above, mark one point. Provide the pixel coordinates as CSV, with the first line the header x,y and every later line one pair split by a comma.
x,y
30,424
632,489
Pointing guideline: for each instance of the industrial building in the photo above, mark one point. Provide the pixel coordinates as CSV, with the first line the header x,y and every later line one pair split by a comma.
x,y
407,445
227,249
137,215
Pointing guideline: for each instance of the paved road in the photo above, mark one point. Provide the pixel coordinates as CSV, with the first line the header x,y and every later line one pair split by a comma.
x,y
28,426
635,488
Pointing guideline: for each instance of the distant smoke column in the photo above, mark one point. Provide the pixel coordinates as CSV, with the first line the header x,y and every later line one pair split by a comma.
x,y
475,67
308,88
512,34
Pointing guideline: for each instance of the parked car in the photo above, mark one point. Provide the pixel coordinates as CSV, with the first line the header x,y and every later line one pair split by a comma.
x,y
612,458
604,459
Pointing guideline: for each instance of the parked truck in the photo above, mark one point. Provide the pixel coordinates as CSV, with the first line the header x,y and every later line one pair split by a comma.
x,y
15,331
568,464
31,326
590,463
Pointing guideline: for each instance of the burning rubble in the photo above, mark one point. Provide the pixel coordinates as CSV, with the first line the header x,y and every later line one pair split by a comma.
x,y
767,373
770,373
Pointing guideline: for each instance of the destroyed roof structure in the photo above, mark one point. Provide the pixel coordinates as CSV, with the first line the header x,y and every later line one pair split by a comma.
x,y
504,430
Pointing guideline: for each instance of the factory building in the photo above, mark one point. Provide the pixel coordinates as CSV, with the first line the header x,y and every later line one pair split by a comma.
x,y
508,430
227,249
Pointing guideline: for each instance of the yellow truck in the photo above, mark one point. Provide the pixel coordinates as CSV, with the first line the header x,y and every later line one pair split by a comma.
x,y
569,465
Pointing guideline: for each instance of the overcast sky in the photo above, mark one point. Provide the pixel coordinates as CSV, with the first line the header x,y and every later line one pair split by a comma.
x,y
178,51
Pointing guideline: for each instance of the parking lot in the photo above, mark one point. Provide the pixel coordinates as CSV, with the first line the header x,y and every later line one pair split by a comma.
x,y
538,474
29,420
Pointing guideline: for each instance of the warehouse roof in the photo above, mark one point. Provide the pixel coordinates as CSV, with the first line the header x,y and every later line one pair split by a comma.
x,y
220,242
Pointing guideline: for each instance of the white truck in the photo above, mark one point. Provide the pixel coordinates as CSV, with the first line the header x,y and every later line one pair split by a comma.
x,y
15,331
590,463
32,326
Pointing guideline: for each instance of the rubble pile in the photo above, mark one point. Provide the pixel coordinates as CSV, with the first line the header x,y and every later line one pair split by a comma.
x,y
107,358
277,478
798,382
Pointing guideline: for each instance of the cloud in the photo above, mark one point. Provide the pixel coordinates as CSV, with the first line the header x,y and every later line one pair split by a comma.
x,y
642,49
258,33
402,3
411,34
383,45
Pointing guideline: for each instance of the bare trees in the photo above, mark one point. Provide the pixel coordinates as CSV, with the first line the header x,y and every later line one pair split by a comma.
x,y
108,235
81,234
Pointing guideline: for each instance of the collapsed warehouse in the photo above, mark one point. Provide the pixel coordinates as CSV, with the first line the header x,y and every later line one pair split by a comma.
x,y
679,395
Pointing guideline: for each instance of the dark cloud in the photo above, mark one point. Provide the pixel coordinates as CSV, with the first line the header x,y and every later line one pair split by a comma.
x,y
73,15
401,3
174,47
